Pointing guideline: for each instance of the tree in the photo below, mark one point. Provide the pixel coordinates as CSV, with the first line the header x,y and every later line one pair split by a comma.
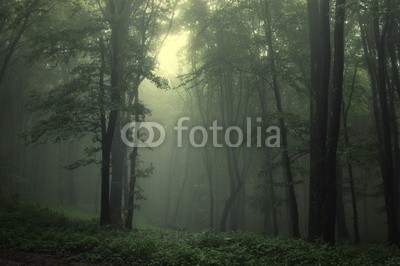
x,y
375,41
325,122
294,216
17,18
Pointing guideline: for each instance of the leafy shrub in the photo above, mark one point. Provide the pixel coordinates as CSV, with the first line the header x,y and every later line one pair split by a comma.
x,y
33,228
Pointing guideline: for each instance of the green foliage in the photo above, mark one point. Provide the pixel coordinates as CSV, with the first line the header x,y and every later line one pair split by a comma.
x,y
32,228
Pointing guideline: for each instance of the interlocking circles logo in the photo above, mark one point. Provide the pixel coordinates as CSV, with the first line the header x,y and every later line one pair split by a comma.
x,y
137,137
152,135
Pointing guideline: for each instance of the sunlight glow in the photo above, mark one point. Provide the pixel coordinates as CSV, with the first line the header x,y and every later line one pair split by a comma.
x,y
169,58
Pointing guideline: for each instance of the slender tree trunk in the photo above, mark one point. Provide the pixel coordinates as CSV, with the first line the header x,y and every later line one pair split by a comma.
x,y
105,185
171,173
134,162
392,34
293,209
182,190
391,44
345,112
388,175
270,202
211,204
343,233
365,210
132,187
126,187
105,144
269,196
228,206
210,177
396,149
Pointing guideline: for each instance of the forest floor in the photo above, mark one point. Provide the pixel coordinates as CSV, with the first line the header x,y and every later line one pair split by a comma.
x,y
14,258
30,234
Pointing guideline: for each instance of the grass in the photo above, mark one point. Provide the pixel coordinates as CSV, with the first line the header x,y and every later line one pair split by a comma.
x,y
73,213
31,228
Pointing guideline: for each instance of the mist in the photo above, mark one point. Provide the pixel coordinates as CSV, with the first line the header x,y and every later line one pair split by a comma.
x,y
203,128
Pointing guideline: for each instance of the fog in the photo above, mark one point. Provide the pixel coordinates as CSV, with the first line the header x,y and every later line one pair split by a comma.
x,y
206,65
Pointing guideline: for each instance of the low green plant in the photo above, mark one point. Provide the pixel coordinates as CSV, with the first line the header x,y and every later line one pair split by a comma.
x,y
32,228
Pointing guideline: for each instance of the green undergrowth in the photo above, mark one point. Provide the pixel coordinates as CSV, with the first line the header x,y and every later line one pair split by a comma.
x,y
31,228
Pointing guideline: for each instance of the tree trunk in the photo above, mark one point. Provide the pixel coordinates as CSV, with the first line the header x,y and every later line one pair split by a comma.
x,y
228,206
105,185
320,68
343,233
171,173
293,209
105,144
11,48
388,175
119,30
329,210
210,177
396,148
270,201
134,163
117,172
182,190
268,178
345,112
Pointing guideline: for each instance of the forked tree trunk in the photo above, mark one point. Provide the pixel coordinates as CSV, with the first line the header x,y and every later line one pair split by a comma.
x,y
329,210
388,174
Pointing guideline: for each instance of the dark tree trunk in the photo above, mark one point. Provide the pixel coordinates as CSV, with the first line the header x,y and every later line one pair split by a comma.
x,y
182,190
117,172
396,149
320,61
211,203
269,197
119,14
323,147
391,44
343,233
345,112
329,210
388,175
270,201
133,163
292,202
105,185
171,173
105,145
210,177
132,187
228,206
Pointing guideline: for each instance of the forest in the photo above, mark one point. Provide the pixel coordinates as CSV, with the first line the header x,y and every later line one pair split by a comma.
x,y
199,132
